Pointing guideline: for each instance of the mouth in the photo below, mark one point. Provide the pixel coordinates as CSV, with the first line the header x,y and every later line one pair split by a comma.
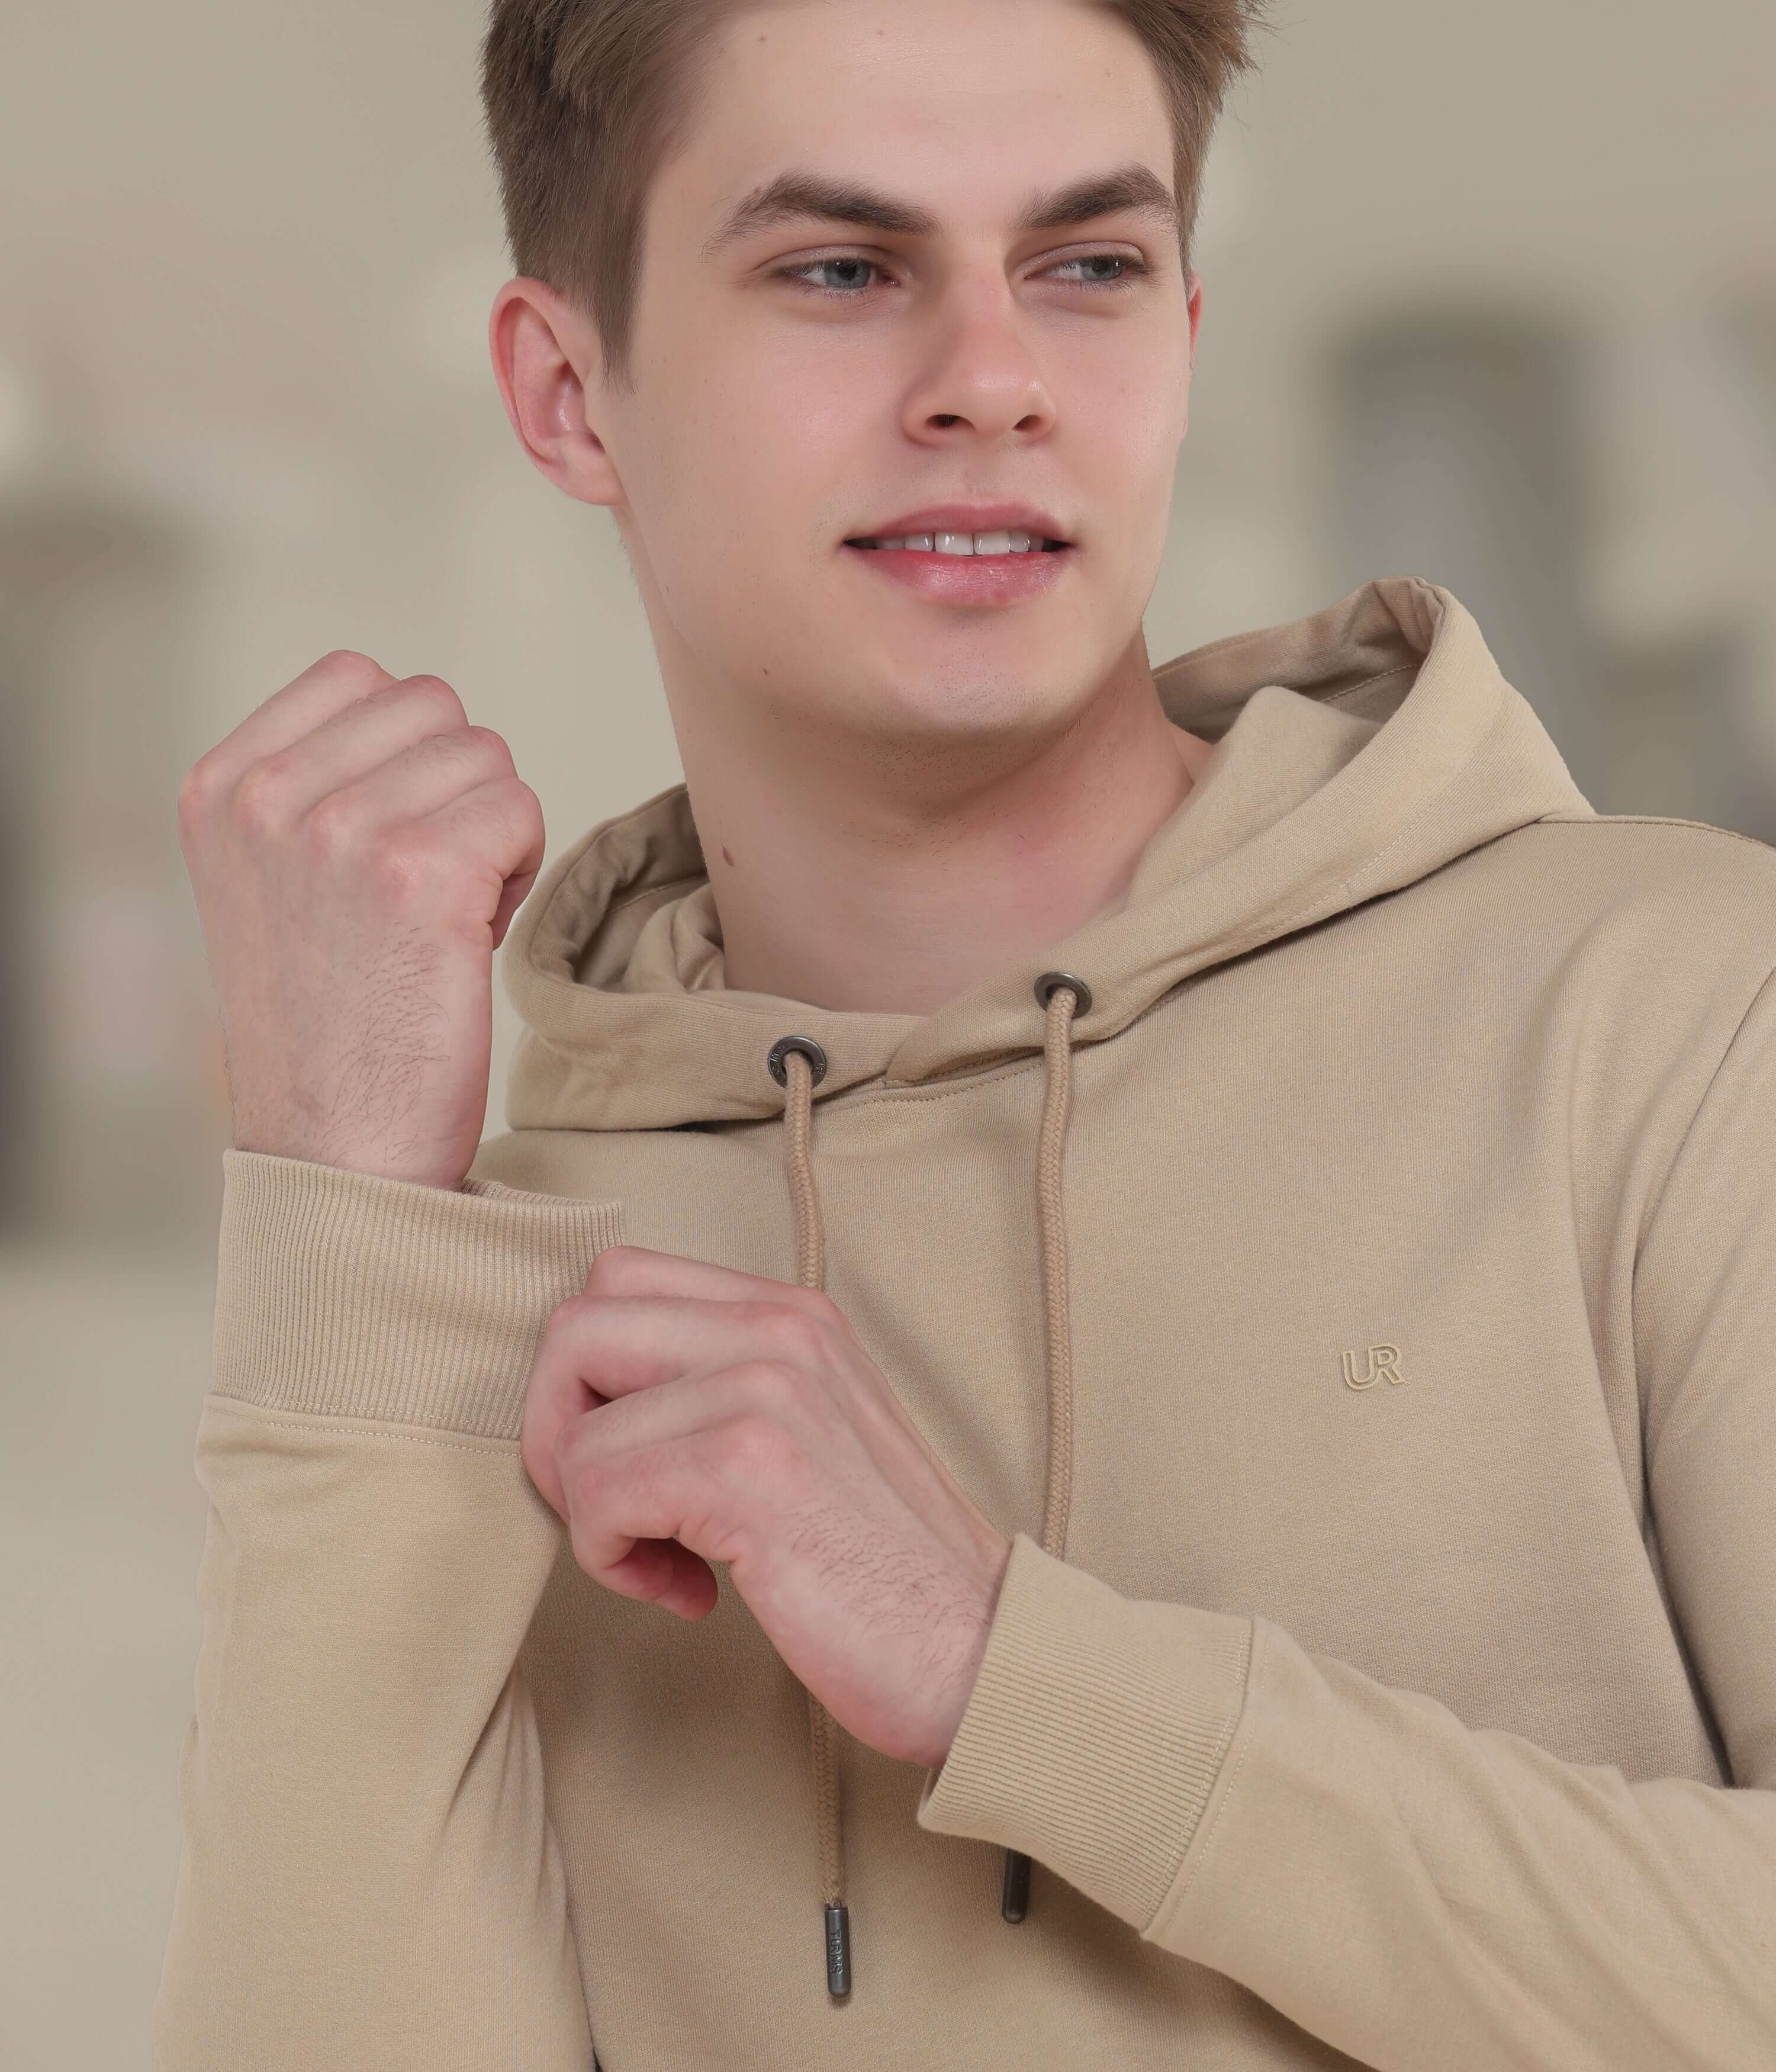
x,y
964,546
988,569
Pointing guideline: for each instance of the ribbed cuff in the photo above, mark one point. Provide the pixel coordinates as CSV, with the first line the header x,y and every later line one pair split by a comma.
x,y
1095,1731
352,1295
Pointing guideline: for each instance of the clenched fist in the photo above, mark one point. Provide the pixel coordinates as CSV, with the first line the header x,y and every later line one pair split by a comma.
x,y
358,851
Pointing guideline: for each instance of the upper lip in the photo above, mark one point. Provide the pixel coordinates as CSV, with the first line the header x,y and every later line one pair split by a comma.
x,y
967,518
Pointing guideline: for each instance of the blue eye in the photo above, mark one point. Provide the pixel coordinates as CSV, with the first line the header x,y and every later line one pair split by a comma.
x,y
796,272
1133,268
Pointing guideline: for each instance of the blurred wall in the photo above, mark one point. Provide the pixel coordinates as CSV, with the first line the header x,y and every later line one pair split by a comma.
x,y
1490,297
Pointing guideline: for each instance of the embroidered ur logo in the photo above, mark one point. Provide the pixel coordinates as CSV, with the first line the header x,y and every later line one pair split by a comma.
x,y
1383,1360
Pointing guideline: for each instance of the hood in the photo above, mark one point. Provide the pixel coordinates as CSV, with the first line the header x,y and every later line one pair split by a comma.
x,y
1355,750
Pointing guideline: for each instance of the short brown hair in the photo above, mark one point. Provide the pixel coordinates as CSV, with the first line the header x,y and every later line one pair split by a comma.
x,y
585,101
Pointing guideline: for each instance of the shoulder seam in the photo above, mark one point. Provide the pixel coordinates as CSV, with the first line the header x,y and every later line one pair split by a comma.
x,y
1561,819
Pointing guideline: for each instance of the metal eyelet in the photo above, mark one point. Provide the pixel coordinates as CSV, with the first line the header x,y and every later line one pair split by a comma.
x,y
1051,982
809,1049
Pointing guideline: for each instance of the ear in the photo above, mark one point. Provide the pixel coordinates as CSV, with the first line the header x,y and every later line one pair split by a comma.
x,y
1193,303
1193,288
544,353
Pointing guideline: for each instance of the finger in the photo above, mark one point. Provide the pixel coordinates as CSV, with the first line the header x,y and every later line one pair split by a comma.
x,y
325,689
635,1271
611,1345
502,821
661,1572
515,891
567,1420
705,1408
645,1494
423,775
597,1348
355,744
564,1391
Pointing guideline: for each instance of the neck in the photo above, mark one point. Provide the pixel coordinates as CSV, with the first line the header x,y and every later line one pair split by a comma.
x,y
868,878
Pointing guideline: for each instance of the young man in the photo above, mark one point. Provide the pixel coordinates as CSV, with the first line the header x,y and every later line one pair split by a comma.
x,y
1163,1275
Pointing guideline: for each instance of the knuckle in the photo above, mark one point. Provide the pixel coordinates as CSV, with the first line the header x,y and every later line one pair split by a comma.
x,y
259,797
825,1312
771,1388
812,1302
492,749
348,662
332,825
567,1318
518,809
761,1449
401,863
612,1270
197,789
433,692
797,1332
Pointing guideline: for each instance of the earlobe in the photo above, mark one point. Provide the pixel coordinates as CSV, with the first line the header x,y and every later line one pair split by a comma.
x,y
539,346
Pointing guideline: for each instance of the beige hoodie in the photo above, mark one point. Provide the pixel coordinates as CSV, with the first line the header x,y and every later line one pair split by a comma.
x,y
1358,1297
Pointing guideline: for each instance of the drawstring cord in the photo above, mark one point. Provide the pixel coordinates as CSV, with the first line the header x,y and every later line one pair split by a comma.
x,y
1063,998
798,1064
793,1056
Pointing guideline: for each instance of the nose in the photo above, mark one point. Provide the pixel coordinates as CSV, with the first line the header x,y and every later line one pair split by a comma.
x,y
980,371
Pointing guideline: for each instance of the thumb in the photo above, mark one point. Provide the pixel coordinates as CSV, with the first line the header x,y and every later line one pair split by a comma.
x,y
511,898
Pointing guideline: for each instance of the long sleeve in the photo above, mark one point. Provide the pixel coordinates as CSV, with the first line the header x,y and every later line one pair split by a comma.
x,y
368,1878
1413,1891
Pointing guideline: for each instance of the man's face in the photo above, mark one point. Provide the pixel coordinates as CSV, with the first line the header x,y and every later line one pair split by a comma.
x,y
810,381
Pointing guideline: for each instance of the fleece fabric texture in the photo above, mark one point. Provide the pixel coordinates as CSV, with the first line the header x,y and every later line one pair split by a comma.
x,y
1404,1695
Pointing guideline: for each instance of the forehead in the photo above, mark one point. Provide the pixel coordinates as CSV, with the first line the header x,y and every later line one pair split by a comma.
x,y
982,102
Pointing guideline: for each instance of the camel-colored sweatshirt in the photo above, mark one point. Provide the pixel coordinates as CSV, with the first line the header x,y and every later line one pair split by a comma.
x,y
1400,1688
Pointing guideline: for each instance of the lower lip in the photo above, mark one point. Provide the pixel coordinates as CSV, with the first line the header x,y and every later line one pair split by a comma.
x,y
969,578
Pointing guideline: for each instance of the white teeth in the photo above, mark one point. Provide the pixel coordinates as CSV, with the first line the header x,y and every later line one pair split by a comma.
x,y
967,543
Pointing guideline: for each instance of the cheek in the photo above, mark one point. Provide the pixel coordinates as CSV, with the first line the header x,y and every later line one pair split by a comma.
x,y
763,482
721,576
751,454
1129,427
725,565
761,426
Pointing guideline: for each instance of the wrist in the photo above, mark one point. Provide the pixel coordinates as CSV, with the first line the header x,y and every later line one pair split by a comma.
x,y
371,1161
963,1667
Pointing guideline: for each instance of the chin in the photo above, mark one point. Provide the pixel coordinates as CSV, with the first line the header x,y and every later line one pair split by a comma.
x,y
954,703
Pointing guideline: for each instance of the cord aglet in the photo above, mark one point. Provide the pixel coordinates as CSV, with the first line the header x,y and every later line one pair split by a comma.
x,y
838,1950
1014,1904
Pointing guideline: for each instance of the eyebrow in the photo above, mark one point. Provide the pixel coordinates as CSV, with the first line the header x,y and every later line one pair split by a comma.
x,y
804,196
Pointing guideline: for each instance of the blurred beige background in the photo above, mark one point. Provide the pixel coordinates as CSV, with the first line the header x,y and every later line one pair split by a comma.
x,y
1491,297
